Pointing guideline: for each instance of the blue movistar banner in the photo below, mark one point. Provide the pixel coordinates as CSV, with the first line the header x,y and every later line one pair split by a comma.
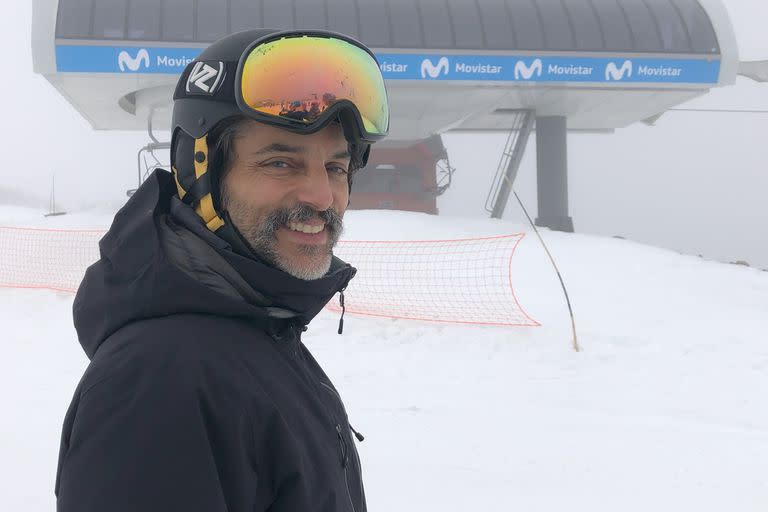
x,y
115,59
399,66
547,69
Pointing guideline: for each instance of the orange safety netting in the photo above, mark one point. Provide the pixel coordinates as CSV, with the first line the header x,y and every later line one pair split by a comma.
x,y
46,258
456,281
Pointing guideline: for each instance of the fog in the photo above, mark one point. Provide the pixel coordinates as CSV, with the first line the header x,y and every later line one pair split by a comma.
x,y
695,182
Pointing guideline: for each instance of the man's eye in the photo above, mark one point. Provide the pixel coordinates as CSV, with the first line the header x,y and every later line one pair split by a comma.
x,y
279,164
337,169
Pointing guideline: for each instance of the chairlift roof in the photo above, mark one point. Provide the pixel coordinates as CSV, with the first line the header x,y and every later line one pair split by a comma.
x,y
449,64
637,26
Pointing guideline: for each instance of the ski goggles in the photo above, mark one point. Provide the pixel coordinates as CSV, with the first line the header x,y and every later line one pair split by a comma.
x,y
301,81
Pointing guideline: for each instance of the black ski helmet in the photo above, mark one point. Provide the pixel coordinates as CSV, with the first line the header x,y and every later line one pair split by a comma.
x,y
196,115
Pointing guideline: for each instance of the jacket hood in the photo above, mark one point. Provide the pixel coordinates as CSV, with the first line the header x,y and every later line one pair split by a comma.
x,y
158,259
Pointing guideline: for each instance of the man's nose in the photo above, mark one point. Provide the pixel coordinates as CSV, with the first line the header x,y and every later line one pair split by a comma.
x,y
315,190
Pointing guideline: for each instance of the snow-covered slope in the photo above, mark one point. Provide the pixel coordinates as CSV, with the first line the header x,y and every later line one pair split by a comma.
x,y
664,409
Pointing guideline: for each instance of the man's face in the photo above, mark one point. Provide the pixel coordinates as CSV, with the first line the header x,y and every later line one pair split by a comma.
x,y
287,194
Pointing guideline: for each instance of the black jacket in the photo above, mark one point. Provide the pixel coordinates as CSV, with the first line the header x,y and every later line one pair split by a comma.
x,y
200,395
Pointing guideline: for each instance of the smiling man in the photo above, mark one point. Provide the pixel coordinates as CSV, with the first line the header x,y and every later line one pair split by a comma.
x,y
200,395
287,193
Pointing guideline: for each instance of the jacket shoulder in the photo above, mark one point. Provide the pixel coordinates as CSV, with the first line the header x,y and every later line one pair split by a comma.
x,y
179,350
164,420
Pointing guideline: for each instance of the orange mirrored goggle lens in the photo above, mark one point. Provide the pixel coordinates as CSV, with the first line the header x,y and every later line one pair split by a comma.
x,y
300,77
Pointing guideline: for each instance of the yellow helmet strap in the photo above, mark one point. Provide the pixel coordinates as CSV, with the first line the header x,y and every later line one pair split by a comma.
x,y
198,195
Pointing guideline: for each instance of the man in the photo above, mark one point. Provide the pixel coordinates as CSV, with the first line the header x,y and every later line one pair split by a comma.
x,y
200,395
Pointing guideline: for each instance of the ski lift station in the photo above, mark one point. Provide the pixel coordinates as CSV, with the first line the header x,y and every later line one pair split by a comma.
x,y
514,66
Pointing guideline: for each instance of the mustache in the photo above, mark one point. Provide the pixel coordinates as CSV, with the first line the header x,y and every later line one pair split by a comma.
x,y
302,213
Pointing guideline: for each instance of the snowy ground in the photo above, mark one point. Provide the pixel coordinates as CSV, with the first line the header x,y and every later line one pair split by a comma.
x,y
665,408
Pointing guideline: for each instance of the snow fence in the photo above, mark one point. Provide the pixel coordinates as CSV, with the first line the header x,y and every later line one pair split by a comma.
x,y
455,281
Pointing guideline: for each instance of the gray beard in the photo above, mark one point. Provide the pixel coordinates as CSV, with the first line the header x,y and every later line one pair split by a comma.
x,y
261,236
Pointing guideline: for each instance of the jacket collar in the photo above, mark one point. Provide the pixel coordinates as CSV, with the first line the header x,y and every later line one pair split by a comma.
x,y
300,299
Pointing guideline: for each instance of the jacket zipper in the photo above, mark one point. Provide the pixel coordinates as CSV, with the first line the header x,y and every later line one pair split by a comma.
x,y
359,437
343,310
344,464
342,442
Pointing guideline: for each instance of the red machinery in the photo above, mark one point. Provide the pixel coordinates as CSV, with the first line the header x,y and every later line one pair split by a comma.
x,y
408,178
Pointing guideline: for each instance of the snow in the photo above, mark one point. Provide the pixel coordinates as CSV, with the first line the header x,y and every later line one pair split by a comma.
x,y
664,408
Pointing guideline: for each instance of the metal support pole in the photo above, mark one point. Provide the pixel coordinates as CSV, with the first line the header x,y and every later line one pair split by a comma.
x,y
552,173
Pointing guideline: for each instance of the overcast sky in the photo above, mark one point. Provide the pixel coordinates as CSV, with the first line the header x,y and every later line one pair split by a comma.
x,y
697,183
